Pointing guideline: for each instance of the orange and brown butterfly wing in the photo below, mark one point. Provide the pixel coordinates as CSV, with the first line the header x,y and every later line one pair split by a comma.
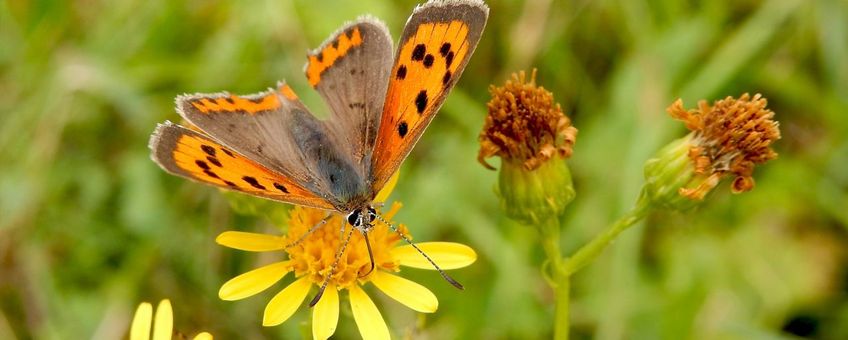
x,y
194,155
275,130
351,72
257,126
436,44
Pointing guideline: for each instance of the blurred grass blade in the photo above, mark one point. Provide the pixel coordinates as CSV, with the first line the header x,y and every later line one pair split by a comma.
x,y
739,48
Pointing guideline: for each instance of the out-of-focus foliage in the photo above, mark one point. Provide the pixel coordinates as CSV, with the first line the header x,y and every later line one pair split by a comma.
x,y
89,226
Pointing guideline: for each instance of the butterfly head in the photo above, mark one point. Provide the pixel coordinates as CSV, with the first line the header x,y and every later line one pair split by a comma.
x,y
363,218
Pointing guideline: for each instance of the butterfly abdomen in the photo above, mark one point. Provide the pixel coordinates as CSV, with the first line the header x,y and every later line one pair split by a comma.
x,y
335,171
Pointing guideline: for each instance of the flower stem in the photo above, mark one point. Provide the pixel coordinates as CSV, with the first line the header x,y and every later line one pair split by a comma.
x,y
561,313
559,269
558,277
591,250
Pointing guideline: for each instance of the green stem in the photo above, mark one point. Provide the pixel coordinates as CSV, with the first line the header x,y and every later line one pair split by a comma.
x,y
560,269
558,277
591,250
561,313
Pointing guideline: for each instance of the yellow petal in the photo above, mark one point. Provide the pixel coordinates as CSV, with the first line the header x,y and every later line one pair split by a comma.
x,y
325,314
253,282
409,293
368,319
387,189
447,255
285,303
163,327
250,241
203,336
140,329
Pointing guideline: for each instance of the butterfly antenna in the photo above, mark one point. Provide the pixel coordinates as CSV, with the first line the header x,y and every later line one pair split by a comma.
x,y
332,269
370,254
442,272
310,231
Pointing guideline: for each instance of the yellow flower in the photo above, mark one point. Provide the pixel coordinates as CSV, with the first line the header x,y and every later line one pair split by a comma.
x,y
312,257
163,325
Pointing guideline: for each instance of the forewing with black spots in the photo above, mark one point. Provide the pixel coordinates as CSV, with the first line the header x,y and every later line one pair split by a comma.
x,y
434,49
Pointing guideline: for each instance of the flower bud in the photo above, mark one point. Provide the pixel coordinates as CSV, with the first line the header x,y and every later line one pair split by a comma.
x,y
531,196
532,136
668,172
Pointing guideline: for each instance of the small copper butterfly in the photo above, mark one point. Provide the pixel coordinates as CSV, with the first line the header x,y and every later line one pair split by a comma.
x,y
269,145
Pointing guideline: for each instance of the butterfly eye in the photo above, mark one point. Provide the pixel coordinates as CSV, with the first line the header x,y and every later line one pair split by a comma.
x,y
372,214
353,218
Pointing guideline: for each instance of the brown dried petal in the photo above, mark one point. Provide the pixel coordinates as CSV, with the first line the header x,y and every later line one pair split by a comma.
x,y
731,137
524,124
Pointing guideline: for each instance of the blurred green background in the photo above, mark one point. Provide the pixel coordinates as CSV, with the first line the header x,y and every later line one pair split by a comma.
x,y
90,227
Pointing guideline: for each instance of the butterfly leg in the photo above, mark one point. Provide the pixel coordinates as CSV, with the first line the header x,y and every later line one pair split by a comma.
x,y
405,238
312,229
332,269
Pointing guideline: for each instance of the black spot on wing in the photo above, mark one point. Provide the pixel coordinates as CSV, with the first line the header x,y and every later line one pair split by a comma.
x,y
214,160
401,72
210,173
402,129
446,79
202,164
208,150
280,187
421,101
445,49
253,182
428,60
449,59
418,52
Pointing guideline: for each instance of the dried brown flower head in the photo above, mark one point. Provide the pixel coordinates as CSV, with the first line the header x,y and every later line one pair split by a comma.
x,y
729,139
524,124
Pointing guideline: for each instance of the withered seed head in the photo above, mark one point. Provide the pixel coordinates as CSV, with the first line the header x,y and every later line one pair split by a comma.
x,y
729,138
533,138
525,125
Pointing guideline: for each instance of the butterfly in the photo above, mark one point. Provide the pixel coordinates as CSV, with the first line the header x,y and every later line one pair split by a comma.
x,y
271,146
